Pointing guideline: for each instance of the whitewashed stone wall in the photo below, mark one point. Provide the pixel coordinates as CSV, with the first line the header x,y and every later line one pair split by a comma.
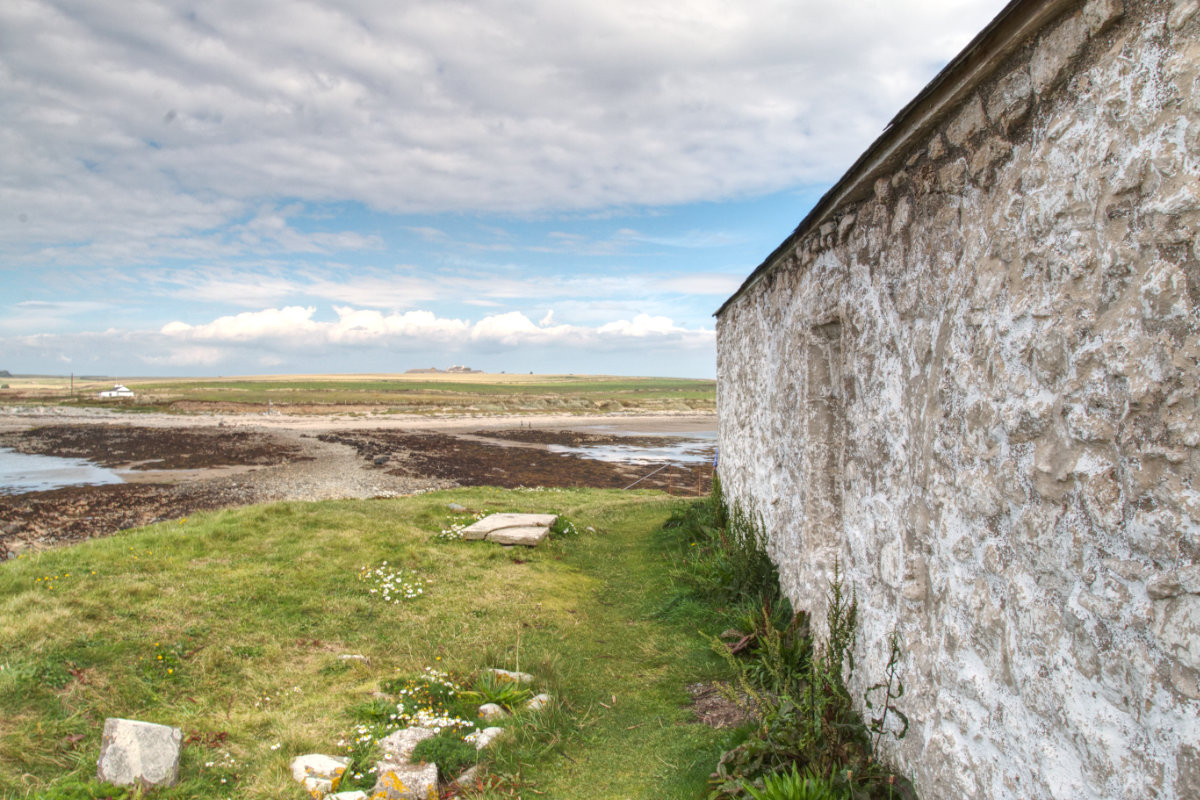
x,y
977,389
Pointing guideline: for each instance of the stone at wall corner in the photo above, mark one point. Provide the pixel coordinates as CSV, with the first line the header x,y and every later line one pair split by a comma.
x,y
1177,628
1055,51
883,189
1189,578
1127,568
1009,102
937,147
1163,586
970,120
1187,771
844,226
953,176
1183,11
916,584
1187,683
988,153
1099,14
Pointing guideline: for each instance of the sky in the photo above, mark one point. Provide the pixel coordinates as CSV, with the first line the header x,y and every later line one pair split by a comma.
x,y
238,187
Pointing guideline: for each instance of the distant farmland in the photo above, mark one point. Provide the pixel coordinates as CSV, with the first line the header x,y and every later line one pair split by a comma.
x,y
401,394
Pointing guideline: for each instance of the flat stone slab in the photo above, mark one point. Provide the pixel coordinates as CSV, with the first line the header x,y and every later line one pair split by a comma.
x,y
529,537
143,753
497,522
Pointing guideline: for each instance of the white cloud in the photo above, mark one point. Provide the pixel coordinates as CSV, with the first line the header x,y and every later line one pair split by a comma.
x,y
716,284
641,326
128,132
428,234
270,231
240,167
271,323
293,339
187,356
295,326
361,326
479,286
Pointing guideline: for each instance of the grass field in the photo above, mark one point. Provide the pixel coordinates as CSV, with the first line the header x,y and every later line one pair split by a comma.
x,y
405,393
230,626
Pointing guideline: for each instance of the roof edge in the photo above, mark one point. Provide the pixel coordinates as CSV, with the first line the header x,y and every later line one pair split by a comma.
x,y
974,64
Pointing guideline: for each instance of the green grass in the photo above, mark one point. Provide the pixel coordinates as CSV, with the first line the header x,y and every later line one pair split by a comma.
x,y
249,610
400,393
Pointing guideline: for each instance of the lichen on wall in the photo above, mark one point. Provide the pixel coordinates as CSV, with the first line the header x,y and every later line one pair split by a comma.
x,y
976,388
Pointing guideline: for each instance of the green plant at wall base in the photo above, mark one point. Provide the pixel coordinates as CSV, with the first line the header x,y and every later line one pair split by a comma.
x,y
726,559
806,717
893,690
773,646
795,786
795,688
841,618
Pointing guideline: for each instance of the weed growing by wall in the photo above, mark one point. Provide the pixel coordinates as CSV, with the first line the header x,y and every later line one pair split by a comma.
x,y
808,741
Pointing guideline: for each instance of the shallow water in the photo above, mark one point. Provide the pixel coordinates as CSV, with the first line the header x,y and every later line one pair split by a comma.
x,y
691,448
20,472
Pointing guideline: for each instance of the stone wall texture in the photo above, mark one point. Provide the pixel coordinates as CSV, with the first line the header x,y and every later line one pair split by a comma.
x,y
976,388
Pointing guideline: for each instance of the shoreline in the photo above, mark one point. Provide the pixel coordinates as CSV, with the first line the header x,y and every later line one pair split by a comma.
x,y
175,465
664,422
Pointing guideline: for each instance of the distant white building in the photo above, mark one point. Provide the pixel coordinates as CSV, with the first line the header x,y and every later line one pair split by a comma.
x,y
117,391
